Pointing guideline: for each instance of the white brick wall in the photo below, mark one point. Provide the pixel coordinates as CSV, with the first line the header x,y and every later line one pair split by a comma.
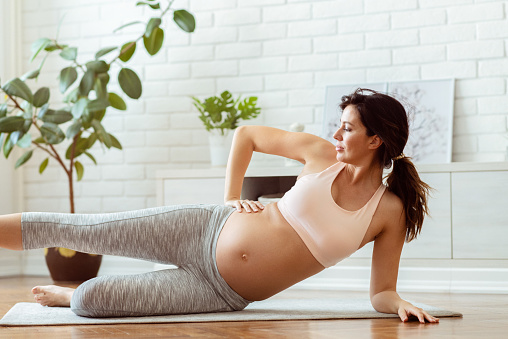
x,y
283,51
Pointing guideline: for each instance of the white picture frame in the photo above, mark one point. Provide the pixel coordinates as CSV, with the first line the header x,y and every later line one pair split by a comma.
x,y
430,105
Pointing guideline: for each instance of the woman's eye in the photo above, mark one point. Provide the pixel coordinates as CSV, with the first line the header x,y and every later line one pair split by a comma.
x,y
346,129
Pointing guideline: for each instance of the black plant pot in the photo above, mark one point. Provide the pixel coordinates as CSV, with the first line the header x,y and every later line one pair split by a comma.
x,y
67,266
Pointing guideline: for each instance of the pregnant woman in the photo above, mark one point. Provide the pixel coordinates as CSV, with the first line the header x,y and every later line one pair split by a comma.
x,y
233,254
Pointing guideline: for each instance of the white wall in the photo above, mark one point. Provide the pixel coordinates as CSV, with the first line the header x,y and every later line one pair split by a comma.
x,y
285,52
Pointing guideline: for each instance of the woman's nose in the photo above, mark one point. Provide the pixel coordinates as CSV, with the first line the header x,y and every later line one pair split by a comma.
x,y
337,135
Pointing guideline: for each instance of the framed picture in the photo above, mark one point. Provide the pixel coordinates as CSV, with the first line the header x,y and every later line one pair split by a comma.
x,y
429,105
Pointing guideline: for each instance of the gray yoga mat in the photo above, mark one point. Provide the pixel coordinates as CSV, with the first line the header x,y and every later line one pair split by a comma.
x,y
32,314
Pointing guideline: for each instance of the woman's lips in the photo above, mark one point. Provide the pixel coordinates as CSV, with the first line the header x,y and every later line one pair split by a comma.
x,y
339,148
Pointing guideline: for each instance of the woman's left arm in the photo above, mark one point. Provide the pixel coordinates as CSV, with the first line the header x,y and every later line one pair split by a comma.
x,y
385,267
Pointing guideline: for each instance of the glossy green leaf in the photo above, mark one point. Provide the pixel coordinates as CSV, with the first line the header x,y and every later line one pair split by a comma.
x,y
80,170
52,133
11,124
99,115
43,111
98,66
97,105
130,83
117,102
79,108
69,53
24,158
30,75
91,157
18,88
37,46
104,52
68,76
25,141
152,24
74,129
86,84
57,117
101,86
184,20
41,97
154,43
102,135
127,51
72,96
114,142
8,146
15,136
91,140
43,165
3,110
80,145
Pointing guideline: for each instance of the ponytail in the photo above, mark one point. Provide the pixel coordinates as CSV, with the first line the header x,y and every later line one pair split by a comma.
x,y
405,182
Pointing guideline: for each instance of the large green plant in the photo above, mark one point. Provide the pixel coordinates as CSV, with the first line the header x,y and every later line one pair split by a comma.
x,y
28,121
225,112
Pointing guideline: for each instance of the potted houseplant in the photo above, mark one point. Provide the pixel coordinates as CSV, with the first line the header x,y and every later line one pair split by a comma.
x,y
68,132
221,115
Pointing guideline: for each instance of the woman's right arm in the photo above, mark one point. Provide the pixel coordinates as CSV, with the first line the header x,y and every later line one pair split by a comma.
x,y
302,147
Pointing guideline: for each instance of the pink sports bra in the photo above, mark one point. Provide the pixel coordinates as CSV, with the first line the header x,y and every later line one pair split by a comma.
x,y
330,232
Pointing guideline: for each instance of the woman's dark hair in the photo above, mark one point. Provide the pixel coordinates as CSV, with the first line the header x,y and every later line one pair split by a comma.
x,y
385,117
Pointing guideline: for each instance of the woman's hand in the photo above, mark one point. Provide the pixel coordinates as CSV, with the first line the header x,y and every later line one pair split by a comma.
x,y
247,205
406,309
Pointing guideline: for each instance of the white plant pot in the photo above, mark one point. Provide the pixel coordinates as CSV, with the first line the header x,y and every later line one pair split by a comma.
x,y
220,146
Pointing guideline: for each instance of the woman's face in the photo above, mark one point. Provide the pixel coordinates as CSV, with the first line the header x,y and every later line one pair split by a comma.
x,y
353,144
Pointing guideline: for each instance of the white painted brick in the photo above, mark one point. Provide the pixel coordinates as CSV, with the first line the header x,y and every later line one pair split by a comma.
x,y
364,23
365,59
493,67
260,3
340,77
123,172
419,54
479,157
287,116
475,13
131,138
168,138
480,87
240,84
262,32
336,8
391,39
190,154
447,70
493,105
103,188
40,18
105,156
465,144
113,124
112,205
88,205
140,188
117,12
339,43
399,73
187,120
315,62
192,87
306,98
492,143
238,50
214,69
145,122
58,189
472,125
446,34
273,99
97,28
287,47
207,5
289,12
47,204
443,3
168,104
203,19
312,28
190,53
214,35
465,106
419,18
492,30
147,155
476,50
263,66
167,72
238,17
154,89
288,81
389,5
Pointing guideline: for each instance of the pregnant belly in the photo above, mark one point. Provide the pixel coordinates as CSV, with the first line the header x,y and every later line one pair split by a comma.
x,y
259,254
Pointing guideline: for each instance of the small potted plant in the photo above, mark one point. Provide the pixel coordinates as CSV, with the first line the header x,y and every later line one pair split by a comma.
x,y
221,116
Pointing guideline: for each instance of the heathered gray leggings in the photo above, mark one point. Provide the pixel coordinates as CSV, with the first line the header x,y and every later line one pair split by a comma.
x,y
185,236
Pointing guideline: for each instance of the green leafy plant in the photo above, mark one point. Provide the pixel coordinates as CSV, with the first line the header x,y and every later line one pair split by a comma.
x,y
225,112
29,122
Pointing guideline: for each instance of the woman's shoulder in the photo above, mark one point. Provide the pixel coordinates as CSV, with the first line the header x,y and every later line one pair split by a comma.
x,y
390,207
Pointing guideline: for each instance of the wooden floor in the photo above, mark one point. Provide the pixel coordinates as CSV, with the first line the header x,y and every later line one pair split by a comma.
x,y
485,316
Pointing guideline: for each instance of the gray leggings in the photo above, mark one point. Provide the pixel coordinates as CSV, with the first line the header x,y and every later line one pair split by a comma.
x,y
185,236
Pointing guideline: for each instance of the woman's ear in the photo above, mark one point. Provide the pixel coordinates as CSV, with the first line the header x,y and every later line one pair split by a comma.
x,y
375,142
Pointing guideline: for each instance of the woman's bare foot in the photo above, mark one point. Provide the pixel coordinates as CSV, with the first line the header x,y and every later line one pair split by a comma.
x,y
53,296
